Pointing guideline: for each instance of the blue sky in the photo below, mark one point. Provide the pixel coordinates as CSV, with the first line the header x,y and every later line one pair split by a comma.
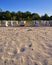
x,y
37,6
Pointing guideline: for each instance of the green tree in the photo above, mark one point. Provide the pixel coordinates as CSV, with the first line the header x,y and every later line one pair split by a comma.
x,y
45,17
35,16
50,17
8,15
13,14
13,18
19,15
28,15
2,16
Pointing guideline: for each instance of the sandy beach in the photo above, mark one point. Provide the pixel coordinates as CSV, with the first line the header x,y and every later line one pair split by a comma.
x,y
25,45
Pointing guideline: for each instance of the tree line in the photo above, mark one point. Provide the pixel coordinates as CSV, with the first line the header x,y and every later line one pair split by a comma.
x,y
7,15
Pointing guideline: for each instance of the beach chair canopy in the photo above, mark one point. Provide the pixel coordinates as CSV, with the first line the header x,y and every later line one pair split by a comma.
x,y
22,22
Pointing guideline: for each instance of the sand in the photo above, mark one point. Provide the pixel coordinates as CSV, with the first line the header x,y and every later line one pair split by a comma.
x,y
25,45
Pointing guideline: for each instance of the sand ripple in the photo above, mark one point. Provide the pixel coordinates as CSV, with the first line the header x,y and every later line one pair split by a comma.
x,y
25,46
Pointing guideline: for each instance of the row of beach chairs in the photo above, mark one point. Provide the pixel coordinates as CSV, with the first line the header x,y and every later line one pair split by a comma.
x,y
35,23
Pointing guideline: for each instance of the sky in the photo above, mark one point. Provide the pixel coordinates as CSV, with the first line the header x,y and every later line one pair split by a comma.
x,y
35,6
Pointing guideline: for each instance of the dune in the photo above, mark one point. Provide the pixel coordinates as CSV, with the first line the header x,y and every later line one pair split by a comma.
x,y
25,45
